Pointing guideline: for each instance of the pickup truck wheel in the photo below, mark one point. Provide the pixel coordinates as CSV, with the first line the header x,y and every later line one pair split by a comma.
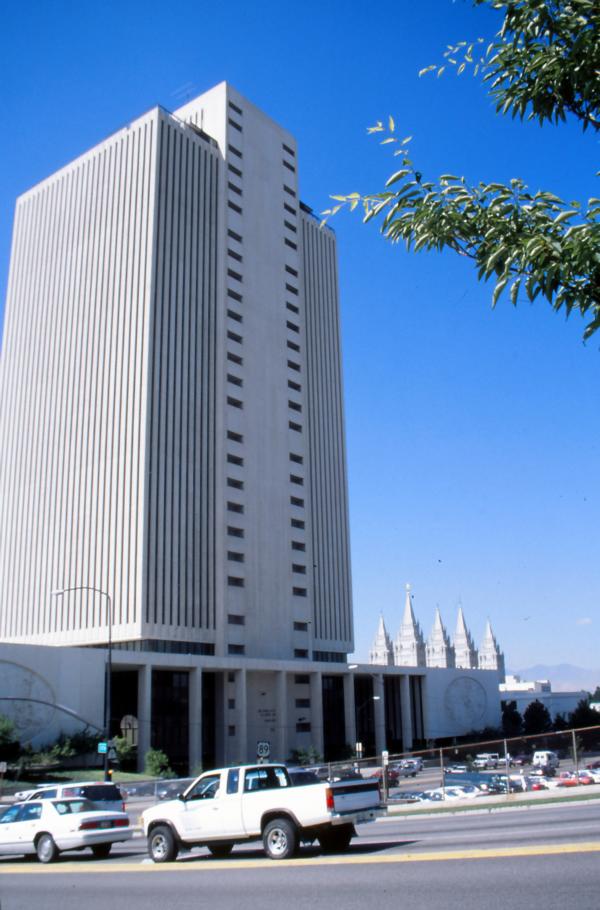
x,y
220,850
280,839
162,846
336,840
46,849
101,851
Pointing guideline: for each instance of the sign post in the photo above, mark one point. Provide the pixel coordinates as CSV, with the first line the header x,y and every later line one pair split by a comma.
x,y
263,751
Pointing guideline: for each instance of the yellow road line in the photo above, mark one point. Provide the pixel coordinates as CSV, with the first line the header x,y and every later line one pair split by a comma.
x,y
201,864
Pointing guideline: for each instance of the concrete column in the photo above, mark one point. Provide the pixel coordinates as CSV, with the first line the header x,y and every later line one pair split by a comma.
x,y
349,709
195,719
281,738
144,714
407,730
380,737
241,703
316,711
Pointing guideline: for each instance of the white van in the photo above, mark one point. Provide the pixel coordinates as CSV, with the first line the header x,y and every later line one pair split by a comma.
x,y
545,759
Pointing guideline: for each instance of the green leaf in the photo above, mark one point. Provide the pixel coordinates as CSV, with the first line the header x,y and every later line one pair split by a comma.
x,y
498,290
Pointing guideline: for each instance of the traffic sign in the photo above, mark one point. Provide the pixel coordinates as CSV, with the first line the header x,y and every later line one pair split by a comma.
x,y
102,748
263,748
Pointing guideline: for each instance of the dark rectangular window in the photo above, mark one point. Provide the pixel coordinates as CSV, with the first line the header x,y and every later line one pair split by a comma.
x,y
236,649
298,545
302,702
234,532
291,271
234,380
299,592
235,108
235,402
297,480
295,406
235,483
235,275
302,726
290,208
234,188
234,582
235,459
231,704
294,385
293,346
297,523
300,652
237,317
291,289
234,255
235,437
296,501
302,679
292,326
290,226
231,730
235,295
290,243
287,149
287,189
234,207
298,459
231,677
235,507
292,307
235,619
234,170
233,337
293,366
296,427
237,126
233,234
289,166
235,358
298,569
234,556
234,151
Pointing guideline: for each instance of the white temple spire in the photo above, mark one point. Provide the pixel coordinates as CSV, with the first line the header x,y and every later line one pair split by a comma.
x,y
409,648
439,652
382,651
490,655
465,652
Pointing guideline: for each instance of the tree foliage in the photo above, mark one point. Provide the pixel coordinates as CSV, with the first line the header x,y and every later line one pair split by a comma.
x,y
536,718
544,64
512,722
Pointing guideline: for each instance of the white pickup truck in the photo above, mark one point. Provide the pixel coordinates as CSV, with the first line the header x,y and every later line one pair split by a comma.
x,y
231,805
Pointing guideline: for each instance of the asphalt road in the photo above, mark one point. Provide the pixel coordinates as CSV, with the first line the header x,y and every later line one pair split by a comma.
x,y
547,858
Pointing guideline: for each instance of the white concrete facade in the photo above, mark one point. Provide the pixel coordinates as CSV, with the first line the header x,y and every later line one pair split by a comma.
x,y
171,398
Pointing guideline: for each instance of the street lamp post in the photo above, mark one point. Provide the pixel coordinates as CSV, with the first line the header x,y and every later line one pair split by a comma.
x,y
108,666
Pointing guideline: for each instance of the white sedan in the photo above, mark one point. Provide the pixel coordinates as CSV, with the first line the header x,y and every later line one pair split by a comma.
x,y
47,827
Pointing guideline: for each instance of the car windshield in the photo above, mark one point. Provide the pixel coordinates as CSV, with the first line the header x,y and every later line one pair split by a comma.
x,y
71,806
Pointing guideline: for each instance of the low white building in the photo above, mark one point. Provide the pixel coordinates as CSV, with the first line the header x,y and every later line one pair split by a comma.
x,y
523,692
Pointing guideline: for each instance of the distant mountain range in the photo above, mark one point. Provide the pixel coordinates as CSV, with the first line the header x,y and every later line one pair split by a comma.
x,y
564,677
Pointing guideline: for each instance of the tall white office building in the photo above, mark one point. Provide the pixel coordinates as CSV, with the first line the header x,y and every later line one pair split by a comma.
x,y
171,416
171,411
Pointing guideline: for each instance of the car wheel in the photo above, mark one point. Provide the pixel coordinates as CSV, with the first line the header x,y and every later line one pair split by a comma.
x,y
46,849
220,850
162,846
101,851
280,839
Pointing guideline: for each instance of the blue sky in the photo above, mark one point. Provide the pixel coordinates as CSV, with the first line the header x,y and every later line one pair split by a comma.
x,y
473,435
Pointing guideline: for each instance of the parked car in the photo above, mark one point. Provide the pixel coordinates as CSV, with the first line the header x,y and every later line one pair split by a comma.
x,y
457,769
545,758
105,796
486,760
593,765
301,777
46,827
585,777
567,779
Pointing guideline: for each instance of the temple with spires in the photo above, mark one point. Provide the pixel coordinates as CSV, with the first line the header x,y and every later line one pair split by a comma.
x,y
410,648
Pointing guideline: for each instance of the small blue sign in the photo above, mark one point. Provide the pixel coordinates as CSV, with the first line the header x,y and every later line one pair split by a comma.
x,y
102,748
